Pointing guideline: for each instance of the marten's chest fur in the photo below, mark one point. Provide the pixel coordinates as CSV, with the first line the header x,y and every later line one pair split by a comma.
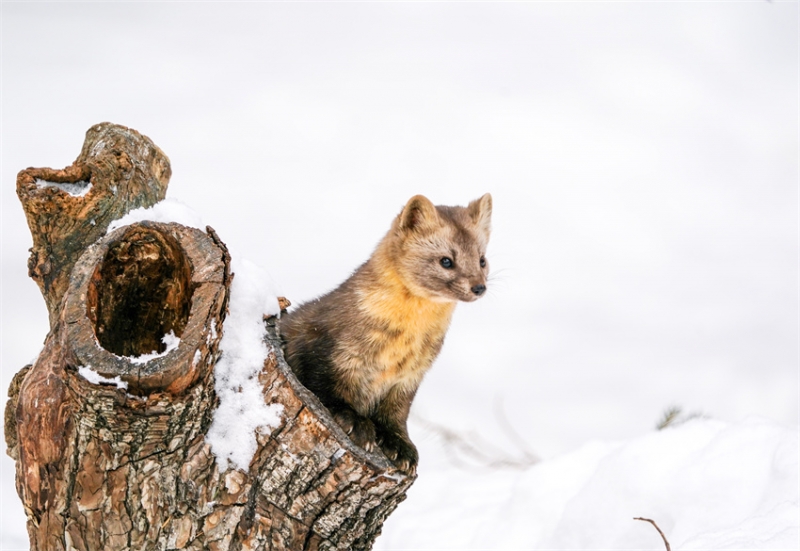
x,y
380,338
396,341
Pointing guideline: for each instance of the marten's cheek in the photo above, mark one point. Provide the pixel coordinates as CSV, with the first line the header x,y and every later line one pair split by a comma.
x,y
438,290
454,289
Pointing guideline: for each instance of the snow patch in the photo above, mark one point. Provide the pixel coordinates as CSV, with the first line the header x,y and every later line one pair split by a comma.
x,y
168,210
96,379
242,411
169,339
76,189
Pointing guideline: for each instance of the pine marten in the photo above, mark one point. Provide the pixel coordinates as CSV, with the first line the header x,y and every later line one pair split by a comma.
x,y
364,347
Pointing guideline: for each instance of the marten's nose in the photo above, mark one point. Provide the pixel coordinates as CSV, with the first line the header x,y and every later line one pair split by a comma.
x,y
479,289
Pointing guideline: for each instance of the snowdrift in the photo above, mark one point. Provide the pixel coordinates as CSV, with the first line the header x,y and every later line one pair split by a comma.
x,y
708,485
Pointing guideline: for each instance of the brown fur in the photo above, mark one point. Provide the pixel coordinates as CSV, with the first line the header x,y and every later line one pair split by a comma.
x,y
364,347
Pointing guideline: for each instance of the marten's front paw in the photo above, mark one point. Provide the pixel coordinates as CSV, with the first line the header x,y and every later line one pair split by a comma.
x,y
360,429
401,452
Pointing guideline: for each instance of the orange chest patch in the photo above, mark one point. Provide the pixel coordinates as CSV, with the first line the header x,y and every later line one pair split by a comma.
x,y
412,329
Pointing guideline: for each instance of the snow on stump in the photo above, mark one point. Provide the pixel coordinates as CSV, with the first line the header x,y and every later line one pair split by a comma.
x,y
108,426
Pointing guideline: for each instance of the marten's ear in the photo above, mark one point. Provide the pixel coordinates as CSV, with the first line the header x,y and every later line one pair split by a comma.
x,y
418,213
480,211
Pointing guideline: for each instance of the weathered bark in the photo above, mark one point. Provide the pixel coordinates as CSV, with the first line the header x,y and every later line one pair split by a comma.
x,y
117,170
105,467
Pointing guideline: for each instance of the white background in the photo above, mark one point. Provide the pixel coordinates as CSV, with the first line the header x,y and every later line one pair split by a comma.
x,y
643,159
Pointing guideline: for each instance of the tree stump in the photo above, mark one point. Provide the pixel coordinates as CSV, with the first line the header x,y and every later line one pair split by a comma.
x,y
110,447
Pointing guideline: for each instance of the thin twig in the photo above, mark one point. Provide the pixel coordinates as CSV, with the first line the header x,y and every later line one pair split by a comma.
x,y
505,424
674,416
460,446
663,537
671,415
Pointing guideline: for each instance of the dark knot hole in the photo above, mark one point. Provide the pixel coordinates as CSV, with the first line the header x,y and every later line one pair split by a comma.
x,y
141,292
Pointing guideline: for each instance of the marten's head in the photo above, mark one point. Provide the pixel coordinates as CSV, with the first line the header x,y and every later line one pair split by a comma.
x,y
439,251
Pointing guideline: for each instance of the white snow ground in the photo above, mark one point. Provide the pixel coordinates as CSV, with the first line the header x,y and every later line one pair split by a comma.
x,y
707,484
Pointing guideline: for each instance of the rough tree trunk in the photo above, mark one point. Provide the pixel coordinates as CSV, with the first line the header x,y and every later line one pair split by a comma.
x,y
100,466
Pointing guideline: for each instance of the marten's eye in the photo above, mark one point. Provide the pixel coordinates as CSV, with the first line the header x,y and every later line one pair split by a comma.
x,y
446,262
483,262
